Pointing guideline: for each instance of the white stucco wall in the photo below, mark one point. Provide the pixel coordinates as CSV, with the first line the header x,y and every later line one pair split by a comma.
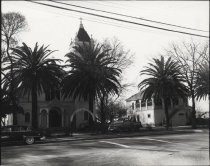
x,y
144,117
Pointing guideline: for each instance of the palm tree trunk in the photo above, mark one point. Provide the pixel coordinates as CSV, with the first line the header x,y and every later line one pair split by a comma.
x,y
34,106
165,107
91,103
103,118
193,110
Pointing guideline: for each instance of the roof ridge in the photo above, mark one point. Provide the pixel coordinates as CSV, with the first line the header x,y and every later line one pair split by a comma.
x,y
136,96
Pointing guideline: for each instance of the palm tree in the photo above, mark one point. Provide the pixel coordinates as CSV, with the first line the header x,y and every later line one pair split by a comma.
x,y
35,73
164,82
92,73
202,81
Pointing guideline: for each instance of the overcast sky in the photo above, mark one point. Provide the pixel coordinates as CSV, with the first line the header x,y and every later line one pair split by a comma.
x,y
57,27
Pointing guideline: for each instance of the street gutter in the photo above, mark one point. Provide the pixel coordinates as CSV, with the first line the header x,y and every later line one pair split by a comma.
x,y
121,135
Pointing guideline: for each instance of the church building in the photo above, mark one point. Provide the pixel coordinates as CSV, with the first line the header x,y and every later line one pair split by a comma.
x,y
53,111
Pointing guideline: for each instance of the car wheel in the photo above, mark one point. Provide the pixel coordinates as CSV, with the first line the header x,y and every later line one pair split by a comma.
x,y
29,140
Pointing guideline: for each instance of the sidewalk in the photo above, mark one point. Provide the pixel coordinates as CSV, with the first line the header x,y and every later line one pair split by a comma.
x,y
142,132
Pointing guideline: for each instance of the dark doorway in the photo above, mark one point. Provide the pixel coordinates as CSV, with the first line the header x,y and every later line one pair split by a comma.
x,y
55,118
73,123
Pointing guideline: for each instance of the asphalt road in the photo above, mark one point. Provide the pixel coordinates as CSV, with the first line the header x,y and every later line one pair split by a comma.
x,y
189,149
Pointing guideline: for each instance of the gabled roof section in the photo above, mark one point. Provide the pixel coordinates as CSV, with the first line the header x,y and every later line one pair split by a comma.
x,y
137,96
82,35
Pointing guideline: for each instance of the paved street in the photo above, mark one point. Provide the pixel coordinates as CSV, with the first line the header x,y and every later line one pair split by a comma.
x,y
184,149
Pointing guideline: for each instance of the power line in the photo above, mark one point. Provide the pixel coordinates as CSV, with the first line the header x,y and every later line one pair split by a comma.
x,y
116,19
108,5
127,16
96,20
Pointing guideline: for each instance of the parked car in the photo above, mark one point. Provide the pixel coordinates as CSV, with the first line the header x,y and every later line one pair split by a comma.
x,y
124,125
20,133
202,121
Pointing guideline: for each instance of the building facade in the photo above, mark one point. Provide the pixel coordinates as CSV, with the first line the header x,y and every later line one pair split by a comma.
x,y
150,112
55,113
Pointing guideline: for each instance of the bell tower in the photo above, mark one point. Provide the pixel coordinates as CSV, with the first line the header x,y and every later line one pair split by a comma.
x,y
82,35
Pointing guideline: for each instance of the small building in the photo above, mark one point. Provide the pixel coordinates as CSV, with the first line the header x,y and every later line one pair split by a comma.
x,y
150,112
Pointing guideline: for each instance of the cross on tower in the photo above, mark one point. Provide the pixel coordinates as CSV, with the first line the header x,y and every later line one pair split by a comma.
x,y
81,26
80,20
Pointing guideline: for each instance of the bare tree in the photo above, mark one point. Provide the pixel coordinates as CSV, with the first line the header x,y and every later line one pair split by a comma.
x,y
12,24
111,109
189,56
123,59
202,75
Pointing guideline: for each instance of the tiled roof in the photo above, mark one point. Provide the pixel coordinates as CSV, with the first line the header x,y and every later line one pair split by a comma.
x,y
137,96
82,35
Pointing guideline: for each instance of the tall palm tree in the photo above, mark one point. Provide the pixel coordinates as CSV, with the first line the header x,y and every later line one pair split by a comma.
x,y
164,82
92,73
202,81
35,73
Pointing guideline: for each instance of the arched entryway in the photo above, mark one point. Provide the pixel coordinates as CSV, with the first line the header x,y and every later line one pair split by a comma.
x,y
55,118
79,110
73,119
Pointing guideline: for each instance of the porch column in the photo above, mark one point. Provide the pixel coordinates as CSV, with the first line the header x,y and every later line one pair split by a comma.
x,y
140,104
153,103
146,104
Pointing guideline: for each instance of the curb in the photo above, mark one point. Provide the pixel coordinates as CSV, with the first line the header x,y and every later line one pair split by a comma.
x,y
92,137
69,139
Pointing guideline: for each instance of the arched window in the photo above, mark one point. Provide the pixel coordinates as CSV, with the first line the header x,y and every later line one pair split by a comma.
x,y
52,94
143,103
137,104
43,118
132,106
27,117
149,102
